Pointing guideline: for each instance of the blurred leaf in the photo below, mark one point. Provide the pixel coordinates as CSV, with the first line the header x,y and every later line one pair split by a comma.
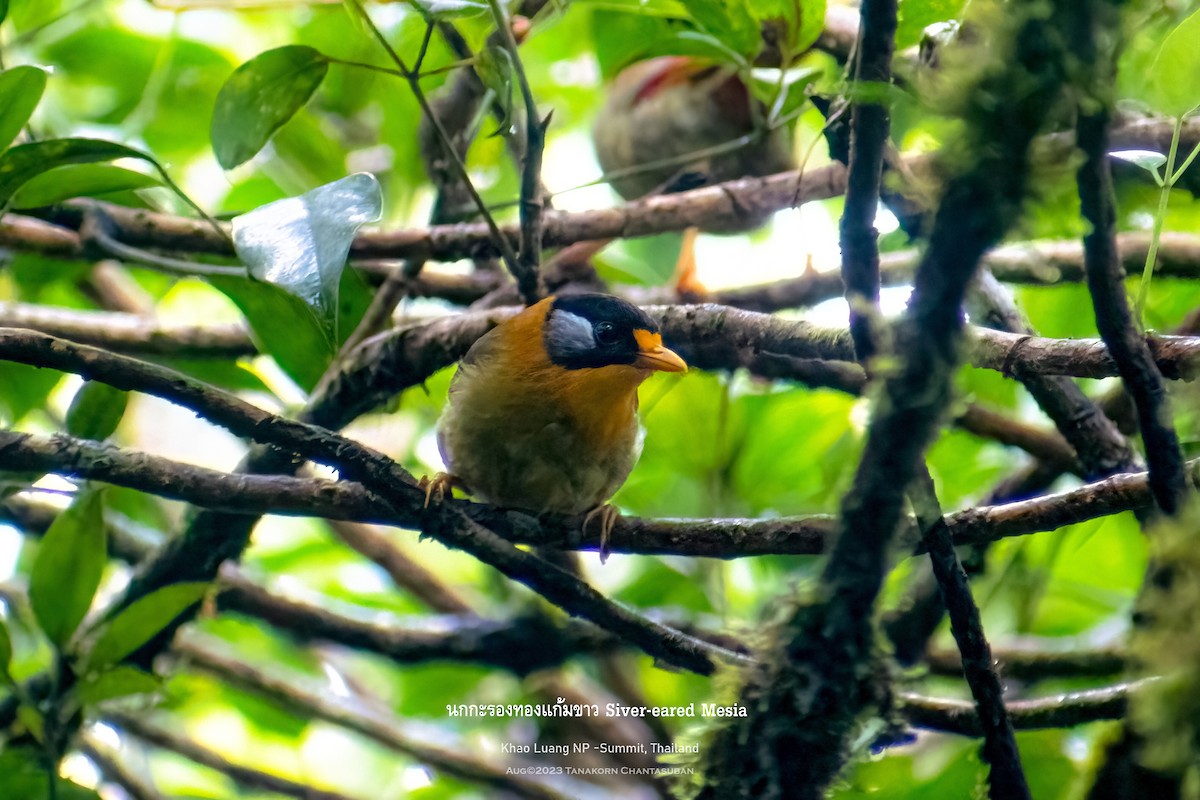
x,y
917,15
118,682
621,38
3,10
26,161
6,651
301,243
260,96
96,410
24,388
144,618
26,778
650,8
33,721
20,90
765,84
69,564
624,38
796,24
1171,85
495,68
450,9
79,180
659,585
731,22
230,375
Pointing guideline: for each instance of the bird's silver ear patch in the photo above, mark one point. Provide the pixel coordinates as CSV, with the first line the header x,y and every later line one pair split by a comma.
x,y
568,335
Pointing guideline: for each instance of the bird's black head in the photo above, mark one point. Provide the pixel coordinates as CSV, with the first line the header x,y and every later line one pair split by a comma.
x,y
586,331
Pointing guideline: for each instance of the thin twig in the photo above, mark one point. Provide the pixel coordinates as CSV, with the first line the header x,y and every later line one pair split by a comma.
x,y
529,281
498,238
94,231
1006,777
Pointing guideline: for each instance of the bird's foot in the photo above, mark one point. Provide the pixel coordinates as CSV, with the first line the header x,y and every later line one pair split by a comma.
x,y
608,515
439,487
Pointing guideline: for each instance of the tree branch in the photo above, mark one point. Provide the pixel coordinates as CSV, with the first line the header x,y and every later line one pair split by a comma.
x,y
713,206
869,129
1006,777
201,652
1134,359
347,500
817,678
522,646
246,777
1060,711
199,560
131,333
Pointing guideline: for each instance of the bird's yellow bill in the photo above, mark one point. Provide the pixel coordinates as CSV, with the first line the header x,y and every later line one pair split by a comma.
x,y
652,354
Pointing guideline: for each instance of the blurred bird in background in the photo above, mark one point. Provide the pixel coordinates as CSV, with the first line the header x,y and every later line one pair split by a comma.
x,y
672,121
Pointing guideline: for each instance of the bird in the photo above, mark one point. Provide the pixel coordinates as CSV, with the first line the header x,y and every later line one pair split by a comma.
x,y
542,412
680,109
672,118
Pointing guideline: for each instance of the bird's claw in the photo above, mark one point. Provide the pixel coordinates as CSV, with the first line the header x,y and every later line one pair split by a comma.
x,y
438,487
608,515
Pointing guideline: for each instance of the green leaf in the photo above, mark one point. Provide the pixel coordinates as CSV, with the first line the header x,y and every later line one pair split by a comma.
x,y
917,15
20,90
138,623
117,682
69,564
1173,85
284,327
494,67
301,243
795,24
782,100
24,388
33,721
22,163
6,651
730,21
3,10
96,410
259,97
79,180
26,777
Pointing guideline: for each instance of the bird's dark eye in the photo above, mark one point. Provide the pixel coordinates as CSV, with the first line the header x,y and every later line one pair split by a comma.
x,y
606,333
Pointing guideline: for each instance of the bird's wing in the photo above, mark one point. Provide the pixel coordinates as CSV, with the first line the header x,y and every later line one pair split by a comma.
x,y
485,348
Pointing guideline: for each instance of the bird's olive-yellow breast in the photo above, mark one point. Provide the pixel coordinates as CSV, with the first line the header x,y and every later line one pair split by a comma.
x,y
542,413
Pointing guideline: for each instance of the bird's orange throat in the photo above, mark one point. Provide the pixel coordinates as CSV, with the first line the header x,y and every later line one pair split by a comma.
x,y
602,401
